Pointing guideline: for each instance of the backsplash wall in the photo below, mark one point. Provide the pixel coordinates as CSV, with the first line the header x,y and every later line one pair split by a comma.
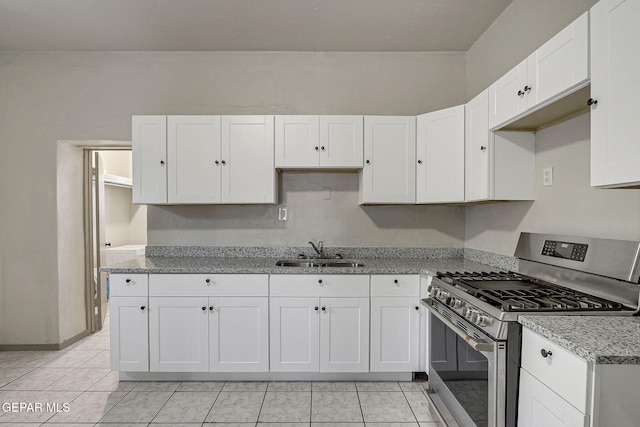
x,y
321,206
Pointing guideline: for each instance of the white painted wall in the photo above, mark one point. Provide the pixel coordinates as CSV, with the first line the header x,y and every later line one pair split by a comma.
x,y
52,96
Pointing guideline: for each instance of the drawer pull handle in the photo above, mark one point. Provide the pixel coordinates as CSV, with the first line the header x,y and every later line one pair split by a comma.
x,y
324,308
142,308
316,308
395,281
204,308
545,353
417,308
210,308
320,281
128,280
208,280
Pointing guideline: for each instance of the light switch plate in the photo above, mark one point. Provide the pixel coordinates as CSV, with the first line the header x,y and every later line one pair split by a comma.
x,y
547,176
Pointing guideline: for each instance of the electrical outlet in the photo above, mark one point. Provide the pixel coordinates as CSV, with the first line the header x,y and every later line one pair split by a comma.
x,y
282,213
547,177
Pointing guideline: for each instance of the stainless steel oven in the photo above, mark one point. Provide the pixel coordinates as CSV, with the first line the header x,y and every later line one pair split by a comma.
x,y
474,335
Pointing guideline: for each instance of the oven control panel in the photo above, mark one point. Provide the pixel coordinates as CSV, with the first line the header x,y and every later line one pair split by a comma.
x,y
566,250
472,314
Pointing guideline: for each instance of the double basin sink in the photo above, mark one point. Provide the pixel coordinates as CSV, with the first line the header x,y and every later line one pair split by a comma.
x,y
312,263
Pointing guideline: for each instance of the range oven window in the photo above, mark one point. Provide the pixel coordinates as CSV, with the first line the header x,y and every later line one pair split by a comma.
x,y
462,370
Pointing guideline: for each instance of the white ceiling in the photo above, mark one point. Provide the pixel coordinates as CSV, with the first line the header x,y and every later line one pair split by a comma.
x,y
245,25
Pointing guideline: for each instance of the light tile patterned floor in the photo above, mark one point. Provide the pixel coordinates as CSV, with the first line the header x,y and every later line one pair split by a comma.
x,y
81,390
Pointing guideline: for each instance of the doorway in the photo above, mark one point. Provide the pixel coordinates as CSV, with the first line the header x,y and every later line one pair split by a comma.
x,y
115,228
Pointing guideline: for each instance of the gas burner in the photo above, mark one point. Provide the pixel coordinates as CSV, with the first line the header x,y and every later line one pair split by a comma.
x,y
509,291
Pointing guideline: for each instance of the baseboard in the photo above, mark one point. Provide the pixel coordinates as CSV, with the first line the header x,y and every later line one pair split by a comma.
x,y
44,347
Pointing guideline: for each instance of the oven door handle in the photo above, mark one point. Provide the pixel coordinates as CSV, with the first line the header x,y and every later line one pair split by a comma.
x,y
476,344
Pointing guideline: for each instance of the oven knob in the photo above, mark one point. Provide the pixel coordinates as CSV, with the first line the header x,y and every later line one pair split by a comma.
x,y
482,320
471,312
431,289
455,303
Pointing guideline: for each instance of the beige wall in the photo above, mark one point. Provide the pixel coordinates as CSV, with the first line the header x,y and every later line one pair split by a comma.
x,y
570,206
53,96
338,221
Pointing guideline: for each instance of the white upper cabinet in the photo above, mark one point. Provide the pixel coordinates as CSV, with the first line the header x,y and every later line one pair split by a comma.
x,y
193,144
389,172
561,64
477,150
318,141
440,156
507,96
203,159
557,68
498,165
297,141
615,84
341,141
248,173
149,143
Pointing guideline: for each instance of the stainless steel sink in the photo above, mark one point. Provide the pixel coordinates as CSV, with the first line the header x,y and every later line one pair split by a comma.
x,y
319,263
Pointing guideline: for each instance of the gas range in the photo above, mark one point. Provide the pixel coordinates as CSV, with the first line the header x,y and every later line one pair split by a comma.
x,y
488,299
474,336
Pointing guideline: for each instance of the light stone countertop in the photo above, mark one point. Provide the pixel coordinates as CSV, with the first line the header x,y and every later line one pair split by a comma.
x,y
606,340
249,265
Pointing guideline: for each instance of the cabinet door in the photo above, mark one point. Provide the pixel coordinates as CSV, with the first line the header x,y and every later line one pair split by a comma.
x,y
389,172
129,334
239,334
344,335
341,141
561,64
149,169
508,95
297,141
394,334
440,153
538,406
615,151
248,169
478,150
294,334
193,146
178,334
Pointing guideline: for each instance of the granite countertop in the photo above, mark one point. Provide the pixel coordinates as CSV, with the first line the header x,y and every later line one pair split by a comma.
x,y
255,265
613,340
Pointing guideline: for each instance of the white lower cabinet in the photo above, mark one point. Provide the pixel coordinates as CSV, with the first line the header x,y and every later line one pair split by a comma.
x,y
129,334
193,330
319,323
559,388
239,334
539,406
344,334
395,323
178,334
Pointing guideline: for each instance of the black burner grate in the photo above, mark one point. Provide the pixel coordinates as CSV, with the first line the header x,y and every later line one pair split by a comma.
x,y
516,292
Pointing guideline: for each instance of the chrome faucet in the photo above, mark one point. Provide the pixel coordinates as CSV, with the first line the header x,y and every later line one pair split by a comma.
x,y
319,249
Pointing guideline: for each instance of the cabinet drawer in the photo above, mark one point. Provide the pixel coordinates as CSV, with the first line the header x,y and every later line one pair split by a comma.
x,y
395,285
128,285
209,285
563,372
319,285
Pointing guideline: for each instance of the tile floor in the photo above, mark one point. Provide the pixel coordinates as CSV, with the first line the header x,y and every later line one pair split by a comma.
x,y
75,387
